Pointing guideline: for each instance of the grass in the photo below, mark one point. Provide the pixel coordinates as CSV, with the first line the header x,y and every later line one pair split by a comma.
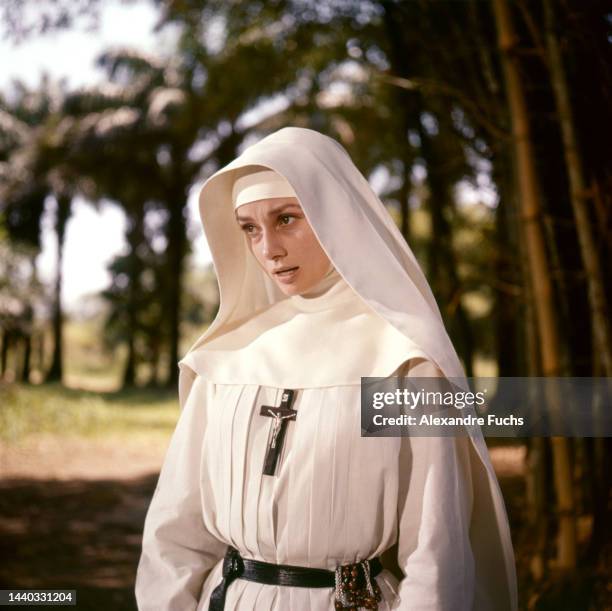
x,y
55,410
88,405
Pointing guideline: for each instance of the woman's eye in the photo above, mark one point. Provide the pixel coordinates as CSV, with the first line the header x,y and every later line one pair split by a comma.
x,y
285,219
248,228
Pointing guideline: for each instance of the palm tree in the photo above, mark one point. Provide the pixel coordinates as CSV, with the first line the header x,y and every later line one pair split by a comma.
x,y
31,144
133,136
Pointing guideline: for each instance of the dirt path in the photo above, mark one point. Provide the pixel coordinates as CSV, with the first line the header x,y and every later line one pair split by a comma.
x,y
71,513
116,458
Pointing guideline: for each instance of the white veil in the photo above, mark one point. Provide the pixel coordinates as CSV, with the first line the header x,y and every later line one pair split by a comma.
x,y
368,250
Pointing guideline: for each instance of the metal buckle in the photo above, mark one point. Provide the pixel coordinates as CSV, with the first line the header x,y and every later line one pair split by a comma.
x,y
355,587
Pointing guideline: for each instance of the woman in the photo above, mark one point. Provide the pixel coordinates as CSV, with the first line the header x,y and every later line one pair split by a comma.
x,y
269,498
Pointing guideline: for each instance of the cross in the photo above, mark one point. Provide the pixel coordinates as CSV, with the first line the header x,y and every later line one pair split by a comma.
x,y
281,415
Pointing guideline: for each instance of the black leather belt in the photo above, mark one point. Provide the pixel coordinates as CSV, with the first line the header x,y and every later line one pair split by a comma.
x,y
236,567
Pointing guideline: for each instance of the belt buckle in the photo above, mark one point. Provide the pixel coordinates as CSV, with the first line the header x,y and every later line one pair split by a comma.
x,y
355,587
233,563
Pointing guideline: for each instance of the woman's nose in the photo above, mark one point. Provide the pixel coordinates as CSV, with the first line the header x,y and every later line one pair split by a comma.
x,y
272,245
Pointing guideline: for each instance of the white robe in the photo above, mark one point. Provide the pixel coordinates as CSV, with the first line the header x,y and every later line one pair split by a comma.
x,y
337,498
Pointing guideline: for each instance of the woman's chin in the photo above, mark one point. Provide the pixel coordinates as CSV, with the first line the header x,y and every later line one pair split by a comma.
x,y
289,289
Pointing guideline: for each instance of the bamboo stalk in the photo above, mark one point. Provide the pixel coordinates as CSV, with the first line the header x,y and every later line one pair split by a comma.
x,y
531,213
579,194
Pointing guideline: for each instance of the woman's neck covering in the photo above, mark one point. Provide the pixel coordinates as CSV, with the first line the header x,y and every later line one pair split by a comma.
x,y
331,278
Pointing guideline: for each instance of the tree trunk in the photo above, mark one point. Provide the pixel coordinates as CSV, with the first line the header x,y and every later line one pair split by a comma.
x,y
442,262
40,353
599,451
135,237
27,354
405,100
539,271
538,471
129,372
404,196
578,193
509,294
177,243
4,352
26,338
55,373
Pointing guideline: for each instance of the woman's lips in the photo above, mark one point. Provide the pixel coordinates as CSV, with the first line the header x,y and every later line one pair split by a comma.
x,y
288,275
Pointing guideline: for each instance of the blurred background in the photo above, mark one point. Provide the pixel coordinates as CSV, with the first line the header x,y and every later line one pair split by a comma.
x,y
484,126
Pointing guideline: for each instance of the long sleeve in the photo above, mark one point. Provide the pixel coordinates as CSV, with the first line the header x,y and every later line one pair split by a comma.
x,y
434,515
177,550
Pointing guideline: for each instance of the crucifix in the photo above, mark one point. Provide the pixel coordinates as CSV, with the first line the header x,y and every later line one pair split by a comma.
x,y
281,416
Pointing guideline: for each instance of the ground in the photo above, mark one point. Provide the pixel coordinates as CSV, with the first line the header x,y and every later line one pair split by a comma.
x,y
71,516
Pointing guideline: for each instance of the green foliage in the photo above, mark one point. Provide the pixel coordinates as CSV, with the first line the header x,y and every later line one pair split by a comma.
x,y
59,411
20,290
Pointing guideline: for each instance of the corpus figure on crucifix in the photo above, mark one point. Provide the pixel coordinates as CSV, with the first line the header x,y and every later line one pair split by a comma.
x,y
281,416
269,497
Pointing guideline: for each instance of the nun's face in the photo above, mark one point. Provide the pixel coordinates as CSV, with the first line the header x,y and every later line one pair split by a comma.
x,y
284,244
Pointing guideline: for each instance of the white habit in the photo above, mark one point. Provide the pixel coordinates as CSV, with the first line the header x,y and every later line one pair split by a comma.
x,y
336,497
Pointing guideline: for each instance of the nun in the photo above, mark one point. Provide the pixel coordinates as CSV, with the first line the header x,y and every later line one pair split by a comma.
x,y
269,497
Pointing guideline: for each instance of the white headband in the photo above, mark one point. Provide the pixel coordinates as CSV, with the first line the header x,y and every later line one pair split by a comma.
x,y
260,185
